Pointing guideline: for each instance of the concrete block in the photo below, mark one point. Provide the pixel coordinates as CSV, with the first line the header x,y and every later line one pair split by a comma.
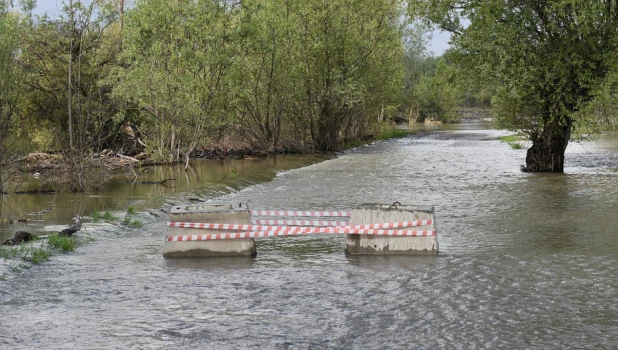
x,y
390,245
211,214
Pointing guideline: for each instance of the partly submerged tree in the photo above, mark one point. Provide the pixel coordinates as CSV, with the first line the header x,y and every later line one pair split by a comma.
x,y
551,63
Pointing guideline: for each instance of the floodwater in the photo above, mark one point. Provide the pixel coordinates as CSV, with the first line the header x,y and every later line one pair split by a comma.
x,y
526,261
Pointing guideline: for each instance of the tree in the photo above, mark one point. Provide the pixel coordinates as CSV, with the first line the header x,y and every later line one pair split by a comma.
x,y
10,82
551,64
438,94
67,105
352,66
177,56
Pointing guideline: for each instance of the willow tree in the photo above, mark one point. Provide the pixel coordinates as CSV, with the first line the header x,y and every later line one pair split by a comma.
x,y
551,63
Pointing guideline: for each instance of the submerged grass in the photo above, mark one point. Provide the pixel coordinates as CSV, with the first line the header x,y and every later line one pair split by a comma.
x,y
513,140
34,252
62,242
109,216
128,221
386,134
393,133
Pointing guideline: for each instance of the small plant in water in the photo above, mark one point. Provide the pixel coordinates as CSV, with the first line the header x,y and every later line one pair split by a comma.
x,y
96,216
132,222
62,242
109,216
39,255
515,145
136,223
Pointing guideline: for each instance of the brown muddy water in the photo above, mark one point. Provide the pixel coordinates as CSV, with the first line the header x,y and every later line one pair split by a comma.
x,y
526,261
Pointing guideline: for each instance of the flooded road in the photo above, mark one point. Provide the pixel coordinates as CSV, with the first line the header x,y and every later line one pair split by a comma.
x,y
526,261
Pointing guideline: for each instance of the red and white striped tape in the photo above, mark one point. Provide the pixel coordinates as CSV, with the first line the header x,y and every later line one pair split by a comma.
x,y
300,222
239,235
246,227
298,213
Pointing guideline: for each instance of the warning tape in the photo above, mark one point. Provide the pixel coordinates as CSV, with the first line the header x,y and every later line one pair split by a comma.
x,y
240,235
298,213
300,222
246,227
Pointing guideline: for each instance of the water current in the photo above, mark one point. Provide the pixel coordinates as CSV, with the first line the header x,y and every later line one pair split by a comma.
x,y
526,260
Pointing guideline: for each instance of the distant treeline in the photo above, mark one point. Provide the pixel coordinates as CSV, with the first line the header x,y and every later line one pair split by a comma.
x,y
163,77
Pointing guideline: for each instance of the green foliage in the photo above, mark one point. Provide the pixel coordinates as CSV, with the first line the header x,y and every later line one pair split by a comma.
x,y
108,216
96,216
38,255
11,77
62,242
510,138
551,65
34,252
438,95
392,133
128,221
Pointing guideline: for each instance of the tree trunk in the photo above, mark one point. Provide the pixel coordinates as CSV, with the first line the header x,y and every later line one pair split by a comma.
x,y
547,151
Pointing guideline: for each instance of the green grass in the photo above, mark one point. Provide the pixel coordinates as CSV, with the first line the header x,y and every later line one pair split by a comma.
x,y
62,242
511,138
26,251
136,223
392,133
109,216
96,216
128,221
131,210
39,255
387,133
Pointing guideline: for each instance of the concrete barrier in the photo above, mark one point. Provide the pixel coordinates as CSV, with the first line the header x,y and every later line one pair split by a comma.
x,y
392,245
219,213
226,230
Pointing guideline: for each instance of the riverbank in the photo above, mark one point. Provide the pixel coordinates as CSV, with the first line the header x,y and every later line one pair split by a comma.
x,y
107,162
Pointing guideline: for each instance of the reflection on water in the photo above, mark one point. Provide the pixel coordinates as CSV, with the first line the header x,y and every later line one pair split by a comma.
x,y
527,260
204,179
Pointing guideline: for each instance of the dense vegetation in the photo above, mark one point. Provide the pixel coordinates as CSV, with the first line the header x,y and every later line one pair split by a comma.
x,y
163,77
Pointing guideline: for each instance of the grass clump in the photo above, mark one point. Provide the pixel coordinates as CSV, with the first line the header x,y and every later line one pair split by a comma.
x,y
393,133
26,251
96,216
128,221
512,140
131,210
62,242
109,216
39,255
